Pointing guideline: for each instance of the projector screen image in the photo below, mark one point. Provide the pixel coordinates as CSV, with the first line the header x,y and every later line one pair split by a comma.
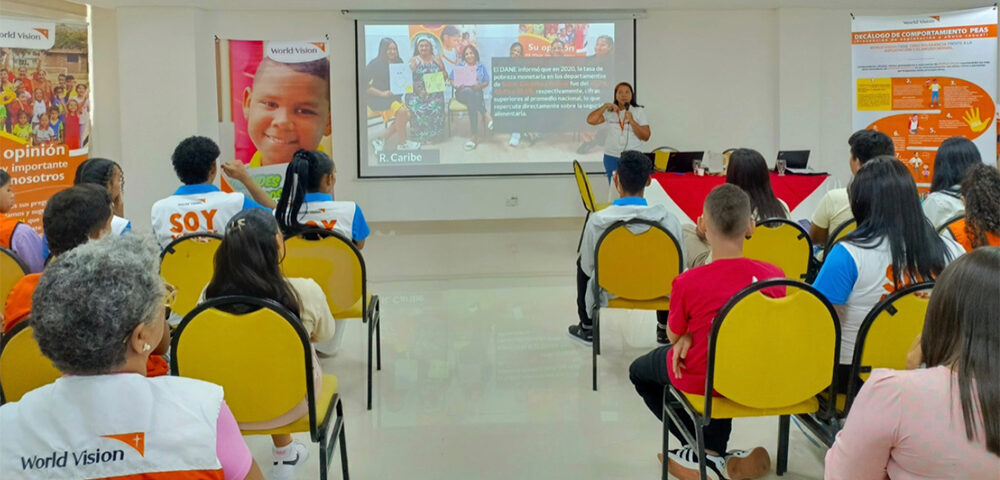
x,y
486,98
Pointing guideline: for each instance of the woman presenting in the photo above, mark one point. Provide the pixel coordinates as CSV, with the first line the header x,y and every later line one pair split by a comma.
x,y
628,128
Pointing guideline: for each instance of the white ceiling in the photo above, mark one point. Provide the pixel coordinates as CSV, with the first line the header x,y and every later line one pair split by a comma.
x,y
936,5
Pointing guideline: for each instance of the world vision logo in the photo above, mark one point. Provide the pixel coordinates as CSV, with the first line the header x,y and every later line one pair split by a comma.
x,y
43,31
136,440
66,458
320,45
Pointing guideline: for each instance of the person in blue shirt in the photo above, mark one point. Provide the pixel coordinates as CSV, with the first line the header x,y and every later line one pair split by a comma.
x,y
199,206
307,200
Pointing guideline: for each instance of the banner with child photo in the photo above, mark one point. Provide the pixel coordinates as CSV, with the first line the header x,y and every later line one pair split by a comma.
x,y
44,110
278,103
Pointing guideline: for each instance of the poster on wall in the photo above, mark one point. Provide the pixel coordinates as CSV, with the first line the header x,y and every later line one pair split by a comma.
x,y
922,79
279,103
44,110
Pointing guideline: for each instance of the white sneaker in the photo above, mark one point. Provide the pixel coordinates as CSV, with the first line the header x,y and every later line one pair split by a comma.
x,y
408,145
470,145
515,139
682,463
294,455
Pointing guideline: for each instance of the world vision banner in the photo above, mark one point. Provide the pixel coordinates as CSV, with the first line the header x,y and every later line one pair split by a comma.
x,y
278,103
922,79
44,110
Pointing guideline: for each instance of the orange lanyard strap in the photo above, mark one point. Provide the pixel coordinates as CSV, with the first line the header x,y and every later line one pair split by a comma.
x,y
621,121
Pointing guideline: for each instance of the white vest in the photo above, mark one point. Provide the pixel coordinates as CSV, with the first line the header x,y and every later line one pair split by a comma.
x,y
118,225
874,283
110,426
330,215
179,215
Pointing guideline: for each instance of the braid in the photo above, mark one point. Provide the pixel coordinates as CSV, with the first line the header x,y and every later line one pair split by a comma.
x,y
981,189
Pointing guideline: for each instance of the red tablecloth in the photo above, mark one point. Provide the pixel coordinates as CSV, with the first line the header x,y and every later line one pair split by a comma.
x,y
689,191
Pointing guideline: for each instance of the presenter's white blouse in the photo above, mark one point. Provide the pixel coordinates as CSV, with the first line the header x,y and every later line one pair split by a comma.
x,y
620,135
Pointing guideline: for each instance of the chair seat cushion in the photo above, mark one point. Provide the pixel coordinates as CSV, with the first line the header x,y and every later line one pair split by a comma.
x,y
356,310
725,408
302,424
655,304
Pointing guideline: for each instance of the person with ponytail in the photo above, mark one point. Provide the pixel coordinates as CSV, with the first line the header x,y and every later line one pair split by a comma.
x,y
108,174
307,200
248,262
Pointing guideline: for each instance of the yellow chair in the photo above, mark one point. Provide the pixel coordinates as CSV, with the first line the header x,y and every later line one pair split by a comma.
x,y
188,264
660,157
587,195
12,269
263,361
635,263
886,335
338,267
782,243
23,368
766,357
837,234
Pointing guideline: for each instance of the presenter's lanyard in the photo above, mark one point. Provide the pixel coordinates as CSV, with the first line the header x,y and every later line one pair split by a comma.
x,y
623,136
621,120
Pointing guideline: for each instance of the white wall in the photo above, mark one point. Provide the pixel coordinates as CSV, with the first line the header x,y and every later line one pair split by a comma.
x,y
768,79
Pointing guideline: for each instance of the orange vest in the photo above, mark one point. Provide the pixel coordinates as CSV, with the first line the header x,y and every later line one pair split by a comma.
x,y
957,230
7,226
19,301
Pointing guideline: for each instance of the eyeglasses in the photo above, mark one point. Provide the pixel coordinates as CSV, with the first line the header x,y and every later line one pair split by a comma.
x,y
171,296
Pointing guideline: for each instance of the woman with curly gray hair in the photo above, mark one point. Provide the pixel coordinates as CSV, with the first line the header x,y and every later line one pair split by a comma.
x,y
97,312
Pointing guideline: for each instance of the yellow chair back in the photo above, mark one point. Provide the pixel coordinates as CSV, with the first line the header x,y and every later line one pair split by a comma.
x,y
660,157
188,264
12,269
637,266
839,233
782,243
773,352
583,184
886,334
261,359
333,262
23,368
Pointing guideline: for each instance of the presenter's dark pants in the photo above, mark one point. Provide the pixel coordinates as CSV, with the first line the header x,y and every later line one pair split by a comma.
x,y
649,375
581,301
473,100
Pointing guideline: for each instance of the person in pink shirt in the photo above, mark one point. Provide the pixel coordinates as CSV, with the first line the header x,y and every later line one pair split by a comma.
x,y
696,299
942,421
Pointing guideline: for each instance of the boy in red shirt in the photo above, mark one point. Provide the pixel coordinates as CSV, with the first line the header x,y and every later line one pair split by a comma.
x,y
697,297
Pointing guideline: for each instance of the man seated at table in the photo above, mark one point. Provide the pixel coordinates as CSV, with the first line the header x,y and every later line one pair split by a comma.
x,y
835,209
630,180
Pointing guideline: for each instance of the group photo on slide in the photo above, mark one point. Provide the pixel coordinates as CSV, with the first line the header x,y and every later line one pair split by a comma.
x,y
486,93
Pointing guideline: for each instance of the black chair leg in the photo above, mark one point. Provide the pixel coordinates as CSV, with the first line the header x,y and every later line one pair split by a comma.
x,y
783,426
371,328
323,459
580,242
666,436
378,341
702,460
343,442
595,346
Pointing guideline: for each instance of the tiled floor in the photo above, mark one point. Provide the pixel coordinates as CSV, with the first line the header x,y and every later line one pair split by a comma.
x,y
480,379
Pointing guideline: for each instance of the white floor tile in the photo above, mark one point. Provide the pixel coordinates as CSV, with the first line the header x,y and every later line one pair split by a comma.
x,y
479,378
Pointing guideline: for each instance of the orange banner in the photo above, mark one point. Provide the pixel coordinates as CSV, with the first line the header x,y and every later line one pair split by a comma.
x,y
925,34
37,172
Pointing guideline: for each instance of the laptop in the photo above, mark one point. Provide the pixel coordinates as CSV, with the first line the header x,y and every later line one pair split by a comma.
x,y
682,162
796,161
